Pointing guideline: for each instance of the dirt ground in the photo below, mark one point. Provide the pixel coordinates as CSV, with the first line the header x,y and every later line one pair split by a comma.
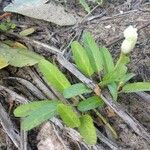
x,y
107,29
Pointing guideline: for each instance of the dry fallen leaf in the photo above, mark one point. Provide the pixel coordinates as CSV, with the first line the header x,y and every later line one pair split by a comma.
x,y
39,9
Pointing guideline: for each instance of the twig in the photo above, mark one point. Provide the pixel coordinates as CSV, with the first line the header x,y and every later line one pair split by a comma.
x,y
111,144
29,86
130,120
76,136
13,94
84,19
49,94
47,48
118,15
23,140
9,127
144,96
96,16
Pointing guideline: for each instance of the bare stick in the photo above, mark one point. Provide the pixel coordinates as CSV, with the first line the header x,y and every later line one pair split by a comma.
x,y
47,48
23,140
40,84
111,144
144,96
9,127
14,95
29,86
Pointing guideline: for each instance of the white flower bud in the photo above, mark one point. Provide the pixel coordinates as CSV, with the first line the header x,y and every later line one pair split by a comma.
x,y
130,35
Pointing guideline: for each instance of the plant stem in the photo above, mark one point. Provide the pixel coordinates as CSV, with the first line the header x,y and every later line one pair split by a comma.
x,y
106,123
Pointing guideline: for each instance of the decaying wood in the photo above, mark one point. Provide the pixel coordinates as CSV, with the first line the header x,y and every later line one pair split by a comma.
x,y
9,127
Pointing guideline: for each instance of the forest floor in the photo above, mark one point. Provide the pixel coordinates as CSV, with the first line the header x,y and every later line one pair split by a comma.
x,y
106,23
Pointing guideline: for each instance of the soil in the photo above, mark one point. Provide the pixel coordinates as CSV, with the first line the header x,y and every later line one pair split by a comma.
x,y
108,31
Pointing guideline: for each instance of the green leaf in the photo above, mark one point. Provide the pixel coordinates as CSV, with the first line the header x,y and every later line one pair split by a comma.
x,y
53,76
136,87
19,57
3,27
85,5
119,71
87,130
39,116
81,59
68,116
47,10
113,90
93,52
27,32
90,103
114,76
25,109
75,90
3,62
107,60
126,78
